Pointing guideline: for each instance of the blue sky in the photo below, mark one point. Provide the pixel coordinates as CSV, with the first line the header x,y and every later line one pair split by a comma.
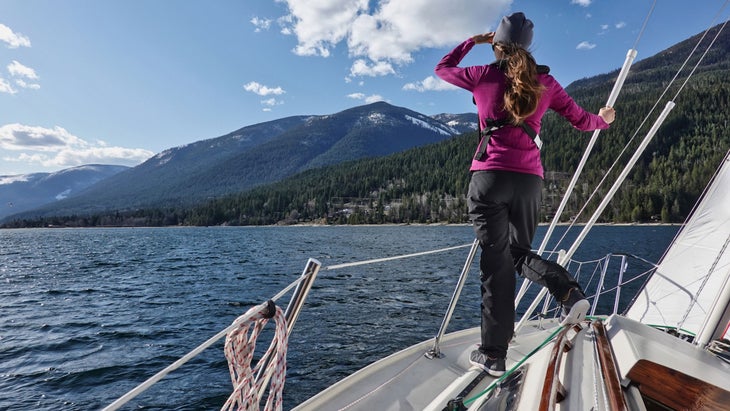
x,y
117,81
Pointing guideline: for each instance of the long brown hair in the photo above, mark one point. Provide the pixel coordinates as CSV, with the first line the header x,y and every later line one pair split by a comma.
x,y
523,90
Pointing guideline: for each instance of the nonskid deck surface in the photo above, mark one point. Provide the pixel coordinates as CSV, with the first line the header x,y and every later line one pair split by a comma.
x,y
408,380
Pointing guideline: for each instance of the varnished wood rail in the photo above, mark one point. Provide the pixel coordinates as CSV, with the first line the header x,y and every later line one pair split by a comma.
x,y
609,371
553,390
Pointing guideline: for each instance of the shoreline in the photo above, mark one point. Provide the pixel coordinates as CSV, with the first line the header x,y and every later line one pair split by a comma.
x,y
347,225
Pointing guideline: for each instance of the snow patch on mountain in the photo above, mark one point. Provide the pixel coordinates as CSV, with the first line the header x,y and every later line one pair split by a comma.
x,y
63,194
163,157
455,123
430,126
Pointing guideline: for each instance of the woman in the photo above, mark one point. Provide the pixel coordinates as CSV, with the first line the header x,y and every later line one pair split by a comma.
x,y
512,94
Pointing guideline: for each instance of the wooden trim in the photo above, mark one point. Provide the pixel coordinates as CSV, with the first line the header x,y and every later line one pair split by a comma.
x,y
608,369
553,390
675,389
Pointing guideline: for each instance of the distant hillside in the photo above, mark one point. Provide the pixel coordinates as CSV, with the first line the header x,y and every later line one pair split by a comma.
x,y
20,193
256,155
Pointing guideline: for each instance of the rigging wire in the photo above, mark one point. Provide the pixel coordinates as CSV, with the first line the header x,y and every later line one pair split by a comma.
x,y
643,26
714,39
618,85
607,198
651,111
590,146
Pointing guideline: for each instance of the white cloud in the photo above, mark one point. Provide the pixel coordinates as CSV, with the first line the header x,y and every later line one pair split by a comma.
x,y
24,84
373,98
56,147
260,24
584,45
19,70
5,87
13,40
95,155
430,83
262,90
21,137
383,33
272,102
320,24
584,3
379,68
605,28
286,23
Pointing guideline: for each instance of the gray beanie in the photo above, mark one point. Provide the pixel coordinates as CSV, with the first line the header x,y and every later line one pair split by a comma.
x,y
515,28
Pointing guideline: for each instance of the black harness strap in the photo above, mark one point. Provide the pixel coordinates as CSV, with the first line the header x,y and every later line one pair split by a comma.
x,y
493,125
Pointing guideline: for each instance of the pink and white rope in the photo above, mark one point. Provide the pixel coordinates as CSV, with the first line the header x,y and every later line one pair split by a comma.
x,y
239,350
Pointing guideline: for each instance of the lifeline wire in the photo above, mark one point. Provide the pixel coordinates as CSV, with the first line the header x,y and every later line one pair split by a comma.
x,y
243,319
398,257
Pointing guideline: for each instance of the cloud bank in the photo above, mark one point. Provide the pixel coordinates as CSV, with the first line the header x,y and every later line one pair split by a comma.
x,y
382,35
56,147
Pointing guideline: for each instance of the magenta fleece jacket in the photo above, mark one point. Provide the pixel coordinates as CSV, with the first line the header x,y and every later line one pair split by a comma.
x,y
510,148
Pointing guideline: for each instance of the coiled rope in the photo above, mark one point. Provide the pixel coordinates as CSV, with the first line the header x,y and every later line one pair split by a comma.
x,y
239,351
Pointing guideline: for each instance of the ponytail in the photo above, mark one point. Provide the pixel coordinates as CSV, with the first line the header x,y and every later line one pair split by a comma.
x,y
523,90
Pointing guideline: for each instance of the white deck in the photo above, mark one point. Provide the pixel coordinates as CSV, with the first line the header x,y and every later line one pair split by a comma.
x,y
408,380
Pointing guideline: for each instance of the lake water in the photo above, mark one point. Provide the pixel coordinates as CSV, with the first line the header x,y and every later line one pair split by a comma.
x,y
87,314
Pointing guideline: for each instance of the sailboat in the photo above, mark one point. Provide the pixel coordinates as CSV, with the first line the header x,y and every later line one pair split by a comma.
x,y
668,350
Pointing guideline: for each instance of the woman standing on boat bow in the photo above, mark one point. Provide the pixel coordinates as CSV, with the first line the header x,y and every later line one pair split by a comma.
x,y
512,94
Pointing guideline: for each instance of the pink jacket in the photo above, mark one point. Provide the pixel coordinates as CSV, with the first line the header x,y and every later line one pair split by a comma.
x,y
510,148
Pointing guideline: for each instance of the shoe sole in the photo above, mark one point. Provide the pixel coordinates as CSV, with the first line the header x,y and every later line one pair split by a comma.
x,y
577,313
493,373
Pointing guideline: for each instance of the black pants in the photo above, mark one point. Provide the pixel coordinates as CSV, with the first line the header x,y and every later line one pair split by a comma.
x,y
504,207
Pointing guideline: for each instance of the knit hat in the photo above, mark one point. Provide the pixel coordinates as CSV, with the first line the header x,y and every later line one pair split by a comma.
x,y
515,28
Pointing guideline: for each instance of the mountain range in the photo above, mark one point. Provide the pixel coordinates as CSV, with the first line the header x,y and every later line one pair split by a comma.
x,y
20,193
335,148
245,158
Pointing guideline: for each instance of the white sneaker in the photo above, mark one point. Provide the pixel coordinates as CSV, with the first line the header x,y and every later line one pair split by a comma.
x,y
576,314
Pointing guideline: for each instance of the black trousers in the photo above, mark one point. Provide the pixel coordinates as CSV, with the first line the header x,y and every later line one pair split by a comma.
x,y
504,208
